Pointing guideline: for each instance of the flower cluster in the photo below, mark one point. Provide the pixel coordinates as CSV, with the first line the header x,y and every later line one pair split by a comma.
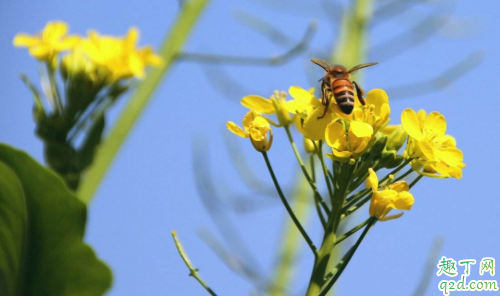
x,y
95,71
99,56
359,145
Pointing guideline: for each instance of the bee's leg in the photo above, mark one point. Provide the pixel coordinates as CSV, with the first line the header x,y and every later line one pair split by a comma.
x,y
359,92
326,108
325,90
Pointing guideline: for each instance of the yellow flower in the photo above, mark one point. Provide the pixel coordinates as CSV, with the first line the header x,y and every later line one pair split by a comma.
x,y
119,56
46,45
350,143
309,108
394,196
376,111
255,127
429,146
276,104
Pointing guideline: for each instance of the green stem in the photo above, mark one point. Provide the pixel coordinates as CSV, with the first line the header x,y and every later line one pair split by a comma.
x,y
404,175
353,201
171,48
348,257
325,169
317,196
329,239
415,181
53,88
192,271
318,208
352,231
396,170
287,206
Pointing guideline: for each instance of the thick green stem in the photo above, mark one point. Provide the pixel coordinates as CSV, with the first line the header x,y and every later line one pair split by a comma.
x,y
347,258
171,48
330,237
288,208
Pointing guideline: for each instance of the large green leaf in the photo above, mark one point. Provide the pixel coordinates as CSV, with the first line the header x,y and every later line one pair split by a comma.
x,y
41,234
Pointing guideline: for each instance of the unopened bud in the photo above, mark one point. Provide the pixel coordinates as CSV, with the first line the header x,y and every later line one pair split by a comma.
x,y
396,139
309,145
379,144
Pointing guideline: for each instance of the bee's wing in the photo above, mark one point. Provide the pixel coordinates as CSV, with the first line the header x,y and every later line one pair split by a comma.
x,y
322,63
360,66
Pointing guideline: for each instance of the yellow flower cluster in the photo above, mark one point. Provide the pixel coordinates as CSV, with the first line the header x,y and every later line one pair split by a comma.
x,y
106,57
362,136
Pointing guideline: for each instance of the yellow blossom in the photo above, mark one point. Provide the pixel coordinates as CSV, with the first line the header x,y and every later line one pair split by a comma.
x,y
309,108
394,196
350,143
46,45
428,145
276,104
376,111
119,56
255,127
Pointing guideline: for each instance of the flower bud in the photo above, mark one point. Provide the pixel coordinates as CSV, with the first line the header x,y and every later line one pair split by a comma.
x,y
390,159
309,145
396,139
379,144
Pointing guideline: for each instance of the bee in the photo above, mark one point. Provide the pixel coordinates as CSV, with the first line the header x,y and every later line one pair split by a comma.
x,y
337,81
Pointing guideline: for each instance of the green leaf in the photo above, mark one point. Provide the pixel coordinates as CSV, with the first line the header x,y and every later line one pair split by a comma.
x,y
41,234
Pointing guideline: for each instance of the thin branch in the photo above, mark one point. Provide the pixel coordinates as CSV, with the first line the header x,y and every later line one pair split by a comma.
x,y
262,26
409,39
252,61
192,271
251,180
430,265
233,260
448,77
288,208
392,9
212,203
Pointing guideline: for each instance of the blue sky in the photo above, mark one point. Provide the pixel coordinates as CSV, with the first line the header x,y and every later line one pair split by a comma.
x,y
151,190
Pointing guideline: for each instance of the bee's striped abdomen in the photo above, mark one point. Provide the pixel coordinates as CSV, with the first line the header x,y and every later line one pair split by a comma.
x,y
343,94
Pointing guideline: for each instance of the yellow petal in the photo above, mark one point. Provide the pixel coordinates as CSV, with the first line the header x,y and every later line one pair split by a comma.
x,y
435,123
361,129
389,129
67,43
427,150
448,141
411,124
341,154
399,186
303,96
258,104
377,97
247,120
451,156
54,31
314,128
25,40
404,201
392,217
40,52
334,134
372,180
235,129
131,38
